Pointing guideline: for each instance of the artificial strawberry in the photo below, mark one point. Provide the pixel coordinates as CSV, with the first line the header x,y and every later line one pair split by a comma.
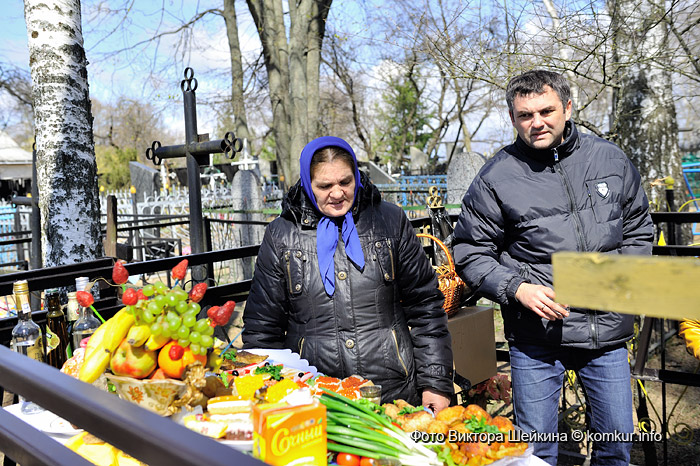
x,y
176,352
140,295
84,298
212,312
180,270
197,292
119,273
130,297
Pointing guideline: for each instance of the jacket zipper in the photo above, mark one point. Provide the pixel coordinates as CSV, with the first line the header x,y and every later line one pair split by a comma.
x,y
572,205
289,272
396,343
391,258
301,346
579,234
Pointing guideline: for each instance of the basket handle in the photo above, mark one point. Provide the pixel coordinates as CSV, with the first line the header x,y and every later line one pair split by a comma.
x,y
442,246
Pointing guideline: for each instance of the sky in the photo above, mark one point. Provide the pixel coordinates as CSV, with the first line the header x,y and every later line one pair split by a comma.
x,y
147,72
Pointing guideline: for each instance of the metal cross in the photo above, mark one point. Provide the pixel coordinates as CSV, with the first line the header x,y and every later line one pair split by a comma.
x,y
196,149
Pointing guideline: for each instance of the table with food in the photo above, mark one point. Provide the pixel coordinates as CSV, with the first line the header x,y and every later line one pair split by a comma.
x,y
272,404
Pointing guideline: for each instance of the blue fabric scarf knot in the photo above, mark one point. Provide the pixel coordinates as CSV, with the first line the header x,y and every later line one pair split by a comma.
x,y
327,229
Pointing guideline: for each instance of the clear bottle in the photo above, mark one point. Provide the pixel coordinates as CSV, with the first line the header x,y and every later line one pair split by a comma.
x,y
26,336
55,325
85,326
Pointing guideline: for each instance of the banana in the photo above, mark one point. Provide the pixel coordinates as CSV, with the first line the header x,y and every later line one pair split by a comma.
x,y
138,334
155,342
96,338
97,360
94,367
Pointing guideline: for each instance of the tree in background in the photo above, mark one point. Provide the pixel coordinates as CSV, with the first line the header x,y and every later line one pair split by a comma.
x,y
66,168
292,73
402,120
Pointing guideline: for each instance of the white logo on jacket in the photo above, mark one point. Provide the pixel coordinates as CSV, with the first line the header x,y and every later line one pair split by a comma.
x,y
602,189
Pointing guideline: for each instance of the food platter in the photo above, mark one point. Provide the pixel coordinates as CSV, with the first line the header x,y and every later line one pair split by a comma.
x,y
285,357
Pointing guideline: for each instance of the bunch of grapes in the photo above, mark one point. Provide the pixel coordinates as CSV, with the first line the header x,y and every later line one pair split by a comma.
x,y
172,312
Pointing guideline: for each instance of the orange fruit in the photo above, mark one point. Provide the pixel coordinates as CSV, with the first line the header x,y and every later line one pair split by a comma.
x,y
174,368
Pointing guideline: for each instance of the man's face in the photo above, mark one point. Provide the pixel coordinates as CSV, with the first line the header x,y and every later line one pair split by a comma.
x,y
539,119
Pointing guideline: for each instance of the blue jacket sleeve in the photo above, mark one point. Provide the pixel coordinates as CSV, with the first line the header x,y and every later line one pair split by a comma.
x,y
478,242
637,226
266,311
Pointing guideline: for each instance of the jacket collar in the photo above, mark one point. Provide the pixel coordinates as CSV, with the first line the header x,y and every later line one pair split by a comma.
x,y
297,206
566,148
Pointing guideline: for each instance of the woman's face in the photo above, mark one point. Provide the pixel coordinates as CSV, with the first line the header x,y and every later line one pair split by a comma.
x,y
333,184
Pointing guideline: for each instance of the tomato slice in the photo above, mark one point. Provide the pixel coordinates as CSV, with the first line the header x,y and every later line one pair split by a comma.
x,y
347,459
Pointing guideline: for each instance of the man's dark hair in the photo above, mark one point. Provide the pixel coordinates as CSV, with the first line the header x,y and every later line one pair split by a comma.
x,y
533,82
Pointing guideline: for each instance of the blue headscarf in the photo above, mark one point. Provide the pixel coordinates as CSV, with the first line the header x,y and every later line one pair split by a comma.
x,y
327,231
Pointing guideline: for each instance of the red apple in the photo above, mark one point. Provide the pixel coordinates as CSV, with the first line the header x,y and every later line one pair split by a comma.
x,y
134,362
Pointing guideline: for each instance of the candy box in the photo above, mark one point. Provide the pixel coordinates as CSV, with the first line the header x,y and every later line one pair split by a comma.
x,y
290,435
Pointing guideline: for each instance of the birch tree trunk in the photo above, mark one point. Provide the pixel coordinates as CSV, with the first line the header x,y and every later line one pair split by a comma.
x,y
645,115
240,125
66,167
293,73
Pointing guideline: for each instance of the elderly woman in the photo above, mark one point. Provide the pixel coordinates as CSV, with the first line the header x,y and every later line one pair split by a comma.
x,y
342,279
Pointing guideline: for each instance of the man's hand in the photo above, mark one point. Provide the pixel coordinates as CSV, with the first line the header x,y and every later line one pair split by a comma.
x,y
540,300
434,400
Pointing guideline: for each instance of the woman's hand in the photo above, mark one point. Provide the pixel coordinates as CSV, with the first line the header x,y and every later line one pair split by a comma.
x,y
434,400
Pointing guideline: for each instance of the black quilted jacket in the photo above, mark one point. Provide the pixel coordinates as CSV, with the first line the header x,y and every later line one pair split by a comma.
x,y
525,204
385,323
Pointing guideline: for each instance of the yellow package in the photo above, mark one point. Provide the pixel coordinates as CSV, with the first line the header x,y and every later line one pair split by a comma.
x,y
286,435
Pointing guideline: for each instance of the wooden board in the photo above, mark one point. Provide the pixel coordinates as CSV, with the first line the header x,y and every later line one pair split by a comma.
x,y
667,287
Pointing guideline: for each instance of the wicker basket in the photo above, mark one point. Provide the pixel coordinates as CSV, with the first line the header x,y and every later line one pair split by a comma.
x,y
448,281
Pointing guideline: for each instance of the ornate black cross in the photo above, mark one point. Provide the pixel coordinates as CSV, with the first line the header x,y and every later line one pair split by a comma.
x,y
196,149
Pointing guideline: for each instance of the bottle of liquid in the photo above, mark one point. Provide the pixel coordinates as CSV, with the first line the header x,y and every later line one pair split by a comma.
x,y
56,330
26,336
85,326
83,284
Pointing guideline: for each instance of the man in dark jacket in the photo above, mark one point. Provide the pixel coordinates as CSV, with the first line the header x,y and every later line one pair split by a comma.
x,y
554,189
377,314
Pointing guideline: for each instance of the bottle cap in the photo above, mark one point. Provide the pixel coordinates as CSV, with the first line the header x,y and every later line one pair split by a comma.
x,y
81,283
20,286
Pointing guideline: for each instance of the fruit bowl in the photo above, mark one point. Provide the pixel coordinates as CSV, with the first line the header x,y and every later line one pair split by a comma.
x,y
153,394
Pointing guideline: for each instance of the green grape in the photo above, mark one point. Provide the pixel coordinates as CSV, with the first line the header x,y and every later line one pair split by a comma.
x,y
148,290
195,348
160,287
206,341
181,307
161,301
148,317
208,331
195,337
183,332
184,342
194,307
153,307
181,294
172,299
203,351
189,319
201,325
156,328
166,331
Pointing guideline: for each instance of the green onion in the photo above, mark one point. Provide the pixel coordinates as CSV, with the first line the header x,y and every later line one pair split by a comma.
x,y
358,429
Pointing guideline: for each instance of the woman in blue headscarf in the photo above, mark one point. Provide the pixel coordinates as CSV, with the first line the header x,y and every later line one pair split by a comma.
x,y
342,280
